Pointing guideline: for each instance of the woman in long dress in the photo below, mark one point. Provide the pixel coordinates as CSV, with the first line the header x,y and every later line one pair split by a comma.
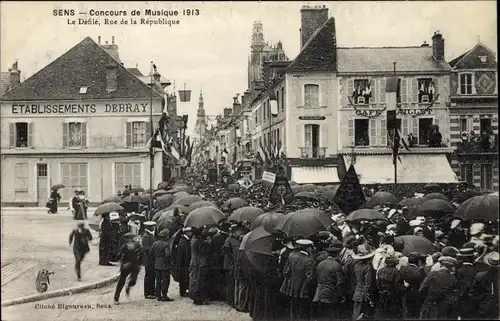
x,y
55,197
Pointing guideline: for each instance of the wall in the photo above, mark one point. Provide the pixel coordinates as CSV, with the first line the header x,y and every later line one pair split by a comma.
x,y
295,108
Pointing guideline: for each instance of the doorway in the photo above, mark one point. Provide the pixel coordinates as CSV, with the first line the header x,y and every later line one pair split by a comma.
x,y
424,127
41,184
485,126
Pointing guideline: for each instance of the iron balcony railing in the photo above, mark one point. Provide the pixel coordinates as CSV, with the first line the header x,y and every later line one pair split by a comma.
x,y
313,152
476,147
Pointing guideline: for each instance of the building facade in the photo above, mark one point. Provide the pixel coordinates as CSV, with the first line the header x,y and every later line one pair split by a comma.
x,y
474,117
82,121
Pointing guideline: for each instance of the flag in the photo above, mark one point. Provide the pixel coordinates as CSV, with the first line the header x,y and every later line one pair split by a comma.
x,y
273,102
157,142
349,196
165,104
266,157
396,142
259,158
392,92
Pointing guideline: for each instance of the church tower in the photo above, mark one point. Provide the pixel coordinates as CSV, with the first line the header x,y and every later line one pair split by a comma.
x,y
201,125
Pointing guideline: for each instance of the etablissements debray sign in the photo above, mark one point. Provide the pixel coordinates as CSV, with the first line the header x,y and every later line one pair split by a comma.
x,y
81,108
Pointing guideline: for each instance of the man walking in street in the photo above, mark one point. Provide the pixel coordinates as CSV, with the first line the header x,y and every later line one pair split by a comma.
x,y
149,268
131,256
80,238
162,258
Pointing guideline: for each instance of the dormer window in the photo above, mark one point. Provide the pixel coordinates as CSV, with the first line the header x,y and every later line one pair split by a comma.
x,y
483,59
426,90
83,90
362,91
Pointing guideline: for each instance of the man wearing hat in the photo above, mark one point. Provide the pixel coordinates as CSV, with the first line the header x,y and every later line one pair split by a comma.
x,y
330,291
485,289
201,251
364,275
182,261
465,277
413,275
448,251
217,273
439,289
230,250
130,255
299,273
390,288
441,240
162,257
148,238
80,238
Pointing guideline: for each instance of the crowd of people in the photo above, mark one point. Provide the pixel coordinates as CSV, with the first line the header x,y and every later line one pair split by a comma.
x,y
401,265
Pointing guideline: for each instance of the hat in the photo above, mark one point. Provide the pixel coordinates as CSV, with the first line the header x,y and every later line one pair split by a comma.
x,y
304,242
149,223
418,229
447,260
466,252
114,216
391,213
436,256
129,234
415,256
80,223
164,233
455,223
450,251
333,249
414,223
492,259
421,218
336,243
476,228
364,252
470,245
187,229
392,260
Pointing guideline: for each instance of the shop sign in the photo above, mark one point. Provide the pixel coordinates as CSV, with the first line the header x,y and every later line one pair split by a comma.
x,y
414,112
71,108
312,117
269,177
368,112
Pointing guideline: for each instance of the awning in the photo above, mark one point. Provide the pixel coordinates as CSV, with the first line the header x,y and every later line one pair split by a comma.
x,y
413,168
315,175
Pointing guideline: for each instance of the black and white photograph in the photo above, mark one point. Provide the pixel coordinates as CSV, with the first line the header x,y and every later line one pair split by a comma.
x,y
249,160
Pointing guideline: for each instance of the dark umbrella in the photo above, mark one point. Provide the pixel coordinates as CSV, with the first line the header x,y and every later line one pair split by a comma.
x,y
409,202
309,188
162,185
437,208
414,243
182,208
381,198
270,221
235,203
292,183
433,188
112,199
132,199
259,250
199,204
183,188
461,197
233,187
188,200
173,191
203,216
136,190
248,213
137,217
57,186
164,201
365,214
146,197
304,223
160,193
479,208
297,189
180,195
432,196
329,194
307,196
108,208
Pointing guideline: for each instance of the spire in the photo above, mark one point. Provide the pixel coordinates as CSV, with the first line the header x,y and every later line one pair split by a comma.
x,y
200,101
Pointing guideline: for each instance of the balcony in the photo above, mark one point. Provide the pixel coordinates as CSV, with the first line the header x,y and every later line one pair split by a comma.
x,y
312,152
379,149
477,148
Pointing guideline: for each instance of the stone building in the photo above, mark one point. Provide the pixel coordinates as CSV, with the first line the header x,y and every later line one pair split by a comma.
x,y
82,121
474,117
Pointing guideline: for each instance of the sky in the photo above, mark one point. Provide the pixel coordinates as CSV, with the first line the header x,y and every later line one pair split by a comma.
x,y
210,51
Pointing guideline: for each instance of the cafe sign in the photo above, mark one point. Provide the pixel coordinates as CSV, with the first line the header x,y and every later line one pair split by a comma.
x,y
377,112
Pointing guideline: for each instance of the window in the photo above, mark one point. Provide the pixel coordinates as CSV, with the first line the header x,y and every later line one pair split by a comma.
x,y
311,139
21,178
41,170
127,174
465,81
485,126
486,176
74,177
278,101
83,90
463,125
361,134
424,128
137,133
483,59
426,90
21,135
278,138
398,127
282,98
362,91
466,173
74,134
311,96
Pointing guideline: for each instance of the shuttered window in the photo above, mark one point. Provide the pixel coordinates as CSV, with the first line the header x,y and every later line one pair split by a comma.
x,y
466,173
350,131
486,176
283,98
404,90
127,174
21,178
138,134
22,135
383,132
73,177
381,87
311,96
74,135
373,132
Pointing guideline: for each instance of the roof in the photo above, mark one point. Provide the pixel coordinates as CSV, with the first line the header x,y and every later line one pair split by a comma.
x,y
84,65
135,72
112,50
469,59
4,82
381,59
319,53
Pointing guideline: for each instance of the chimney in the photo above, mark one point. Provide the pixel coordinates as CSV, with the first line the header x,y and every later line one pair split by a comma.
x,y
312,18
112,40
425,44
99,40
14,76
236,108
111,79
438,46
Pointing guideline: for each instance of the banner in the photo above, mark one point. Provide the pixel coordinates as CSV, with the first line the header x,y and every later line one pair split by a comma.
x,y
282,191
349,196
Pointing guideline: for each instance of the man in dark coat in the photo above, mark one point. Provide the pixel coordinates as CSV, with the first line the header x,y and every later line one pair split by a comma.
x,y
330,291
176,222
217,273
440,290
485,289
80,238
413,275
465,278
299,279
390,288
131,259
365,276
201,250
105,240
230,250
160,252
148,238
183,260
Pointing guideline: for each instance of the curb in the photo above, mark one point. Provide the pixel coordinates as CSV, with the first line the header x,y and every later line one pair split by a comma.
x,y
62,292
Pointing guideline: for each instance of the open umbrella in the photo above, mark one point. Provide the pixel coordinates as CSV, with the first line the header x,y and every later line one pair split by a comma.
x,y
146,197
180,195
162,185
409,202
188,200
132,199
432,196
297,189
233,187
309,188
183,188
436,208
112,199
270,221
57,186
304,223
259,250
365,214
292,183
461,197
173,191
159,193
136,190
182,208
307,195
248,213
329,194
235,203
94,223
108,208
199,204
479,208
164,201
203,216
414,243
433,188
381,198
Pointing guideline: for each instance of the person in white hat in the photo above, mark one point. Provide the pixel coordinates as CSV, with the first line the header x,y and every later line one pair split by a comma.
x,y
148,238
339,220
364,274
299,271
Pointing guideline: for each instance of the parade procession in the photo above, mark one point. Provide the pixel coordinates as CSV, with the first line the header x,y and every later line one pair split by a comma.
x,y
348,182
